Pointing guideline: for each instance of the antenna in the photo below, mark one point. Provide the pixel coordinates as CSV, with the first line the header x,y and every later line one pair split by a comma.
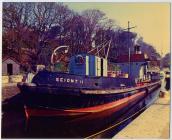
x,y
161,53
128,29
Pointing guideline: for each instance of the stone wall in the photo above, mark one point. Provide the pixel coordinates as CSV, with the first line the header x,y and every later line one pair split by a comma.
x,y
5,79
12,79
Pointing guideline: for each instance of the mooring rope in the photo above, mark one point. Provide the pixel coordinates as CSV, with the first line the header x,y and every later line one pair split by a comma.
x,y
93,135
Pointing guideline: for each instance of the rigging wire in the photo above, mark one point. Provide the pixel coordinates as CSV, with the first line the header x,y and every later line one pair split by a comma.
x,y
93,135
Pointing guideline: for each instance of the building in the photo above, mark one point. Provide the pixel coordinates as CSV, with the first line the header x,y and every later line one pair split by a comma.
x,y
10,66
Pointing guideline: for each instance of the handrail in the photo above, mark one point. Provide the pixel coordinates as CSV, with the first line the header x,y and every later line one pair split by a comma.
x,y
54,52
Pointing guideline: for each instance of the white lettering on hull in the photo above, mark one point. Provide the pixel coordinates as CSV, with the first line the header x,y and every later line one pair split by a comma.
x,y
68,80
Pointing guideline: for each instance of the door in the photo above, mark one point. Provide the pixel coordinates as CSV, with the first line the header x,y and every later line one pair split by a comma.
x,y
9,69
102,67
98,66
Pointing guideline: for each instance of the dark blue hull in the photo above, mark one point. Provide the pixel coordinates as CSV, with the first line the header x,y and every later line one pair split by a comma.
x,y
80,98
65,91
71,101
71,81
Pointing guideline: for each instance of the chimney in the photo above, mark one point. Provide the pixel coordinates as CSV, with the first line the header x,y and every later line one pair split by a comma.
x,y
137,49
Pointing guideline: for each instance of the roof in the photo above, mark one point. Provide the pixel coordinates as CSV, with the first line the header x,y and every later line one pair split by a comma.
x,y
12,58
133,58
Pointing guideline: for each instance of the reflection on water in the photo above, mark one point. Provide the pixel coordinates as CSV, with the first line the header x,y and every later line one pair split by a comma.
x,y
14,121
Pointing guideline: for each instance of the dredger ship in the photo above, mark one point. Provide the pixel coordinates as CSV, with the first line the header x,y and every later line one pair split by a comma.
x,y
89,90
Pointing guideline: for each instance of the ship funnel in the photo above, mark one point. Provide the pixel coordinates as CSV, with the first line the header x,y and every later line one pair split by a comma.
x,y
137,49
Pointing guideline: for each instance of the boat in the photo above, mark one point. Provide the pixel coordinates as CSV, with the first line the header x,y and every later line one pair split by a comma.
x,y
89,90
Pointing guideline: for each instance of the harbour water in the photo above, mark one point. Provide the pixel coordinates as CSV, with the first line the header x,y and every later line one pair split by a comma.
x,y
14,124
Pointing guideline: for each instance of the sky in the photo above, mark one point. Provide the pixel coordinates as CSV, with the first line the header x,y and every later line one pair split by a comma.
x,y
152,19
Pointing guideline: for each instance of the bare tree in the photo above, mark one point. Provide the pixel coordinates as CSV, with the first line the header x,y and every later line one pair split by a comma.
x,y
49,17
15,26
33,30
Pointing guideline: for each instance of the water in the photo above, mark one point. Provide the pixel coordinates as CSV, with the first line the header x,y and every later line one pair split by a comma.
x,y
14,125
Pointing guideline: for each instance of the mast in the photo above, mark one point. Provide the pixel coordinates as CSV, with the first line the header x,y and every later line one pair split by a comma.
x,y
129,50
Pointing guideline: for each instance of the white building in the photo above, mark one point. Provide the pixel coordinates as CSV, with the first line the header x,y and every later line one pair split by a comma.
x,y
10,66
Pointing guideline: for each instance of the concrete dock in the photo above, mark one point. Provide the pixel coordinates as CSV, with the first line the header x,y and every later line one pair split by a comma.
x,y
154,122
9,90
